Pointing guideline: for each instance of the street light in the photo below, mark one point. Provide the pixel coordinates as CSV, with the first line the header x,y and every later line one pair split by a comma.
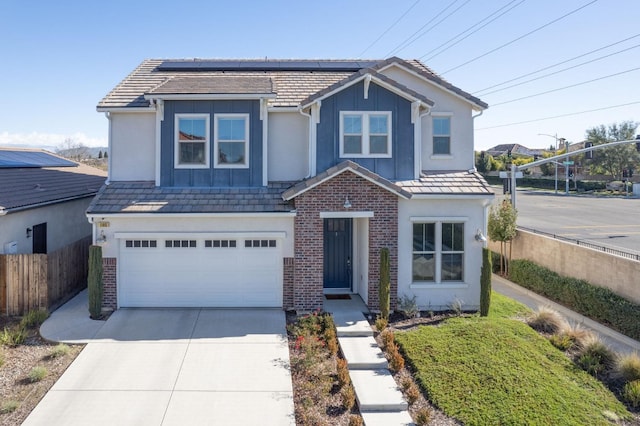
x,y
555,137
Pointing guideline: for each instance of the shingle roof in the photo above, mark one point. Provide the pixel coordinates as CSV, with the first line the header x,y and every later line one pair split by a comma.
x,y
290,85
145,197
226,84
307,184
447,183
23,188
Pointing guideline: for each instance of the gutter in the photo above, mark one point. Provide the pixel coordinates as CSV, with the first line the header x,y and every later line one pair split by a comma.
x,y
309,144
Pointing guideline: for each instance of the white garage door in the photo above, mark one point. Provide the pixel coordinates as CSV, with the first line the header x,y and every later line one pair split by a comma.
x,y
188,272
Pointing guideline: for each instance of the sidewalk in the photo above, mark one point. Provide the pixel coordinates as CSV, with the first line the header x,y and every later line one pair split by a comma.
x,y
618,342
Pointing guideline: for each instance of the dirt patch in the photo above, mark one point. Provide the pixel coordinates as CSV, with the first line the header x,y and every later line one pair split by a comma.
x,y
18,362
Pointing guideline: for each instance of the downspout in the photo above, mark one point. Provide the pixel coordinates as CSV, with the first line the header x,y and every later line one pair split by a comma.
x,y
310,143
108,181
473,151
159,106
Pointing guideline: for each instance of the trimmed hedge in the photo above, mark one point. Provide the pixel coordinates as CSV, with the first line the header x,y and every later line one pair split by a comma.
x,y
542,183
597,303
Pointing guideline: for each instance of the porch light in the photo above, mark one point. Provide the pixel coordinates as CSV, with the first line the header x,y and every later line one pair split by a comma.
x,y
102,238
347,203
480,236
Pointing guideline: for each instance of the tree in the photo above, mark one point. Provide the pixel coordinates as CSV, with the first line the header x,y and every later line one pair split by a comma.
x,y
73,150
485,282
483,162
384,290
614,160
100,154
502,227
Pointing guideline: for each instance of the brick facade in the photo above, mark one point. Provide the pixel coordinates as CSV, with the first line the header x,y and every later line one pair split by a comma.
x,y
287,282
309,251
110,294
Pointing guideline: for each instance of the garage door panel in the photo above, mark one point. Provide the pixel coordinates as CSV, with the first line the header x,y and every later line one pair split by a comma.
x,y
200,276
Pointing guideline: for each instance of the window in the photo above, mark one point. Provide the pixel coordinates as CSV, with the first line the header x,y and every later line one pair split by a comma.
x,y
232,140
438,252
220,243
192,141
260,243
365,134
180,243
140,243
441,135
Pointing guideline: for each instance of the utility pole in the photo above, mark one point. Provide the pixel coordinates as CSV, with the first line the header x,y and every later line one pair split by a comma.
x,y
555,165
566,168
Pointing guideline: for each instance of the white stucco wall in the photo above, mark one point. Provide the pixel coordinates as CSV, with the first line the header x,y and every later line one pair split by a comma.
x,y
460,111
157,225
132,147
288,153
66,223
439,296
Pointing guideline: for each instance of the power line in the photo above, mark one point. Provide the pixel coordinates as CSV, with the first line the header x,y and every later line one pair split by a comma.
x,y
558,116
408,40
471,27
519,38
555,65
562,70
566,87
389,29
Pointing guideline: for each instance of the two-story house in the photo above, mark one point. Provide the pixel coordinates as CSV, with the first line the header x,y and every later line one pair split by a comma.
x,y
250,183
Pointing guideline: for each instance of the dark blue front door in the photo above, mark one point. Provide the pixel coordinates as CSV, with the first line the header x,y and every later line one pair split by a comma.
x,y
337,253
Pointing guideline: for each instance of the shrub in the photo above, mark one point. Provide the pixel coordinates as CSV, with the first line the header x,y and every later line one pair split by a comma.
x,y
381,323
591,364
37,373
546,320
59,350
342,370
348,397
2,359
387,338
384,292
628,367
94,281
631,393
597,303
408,305
330,336
578,335
396,361
485,282
13,336
9,407
356,420
423,416
412,393
561,341
34,318
596,347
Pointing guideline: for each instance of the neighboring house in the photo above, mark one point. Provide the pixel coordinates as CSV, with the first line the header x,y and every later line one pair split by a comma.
x,y
516,150
241,183
43,200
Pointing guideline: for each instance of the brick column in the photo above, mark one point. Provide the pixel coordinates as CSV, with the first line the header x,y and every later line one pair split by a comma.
x,y
287,282
110,294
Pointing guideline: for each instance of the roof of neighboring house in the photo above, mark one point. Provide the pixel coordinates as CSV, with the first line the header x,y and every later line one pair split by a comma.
x,y
145,197
447,182
292,81
516,149
32,186
331,172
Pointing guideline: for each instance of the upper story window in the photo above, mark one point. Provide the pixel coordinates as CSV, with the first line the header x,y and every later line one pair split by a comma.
x,y
365,134
231,140
441,135
192,141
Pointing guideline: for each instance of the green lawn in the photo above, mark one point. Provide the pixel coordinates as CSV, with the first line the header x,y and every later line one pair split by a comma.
x,y
504,307
496,370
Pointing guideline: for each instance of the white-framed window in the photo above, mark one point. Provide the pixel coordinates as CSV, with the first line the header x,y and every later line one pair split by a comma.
x,y
365,134
192,141
438,252
231,140
441,135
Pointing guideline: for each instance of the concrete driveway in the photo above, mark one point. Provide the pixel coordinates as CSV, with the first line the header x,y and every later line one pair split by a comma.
x,y
177,367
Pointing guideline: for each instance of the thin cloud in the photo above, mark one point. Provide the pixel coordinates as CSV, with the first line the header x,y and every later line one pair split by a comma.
x,y
48,140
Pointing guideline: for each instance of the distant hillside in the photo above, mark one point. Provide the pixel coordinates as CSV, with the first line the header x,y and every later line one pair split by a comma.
x,y
82,152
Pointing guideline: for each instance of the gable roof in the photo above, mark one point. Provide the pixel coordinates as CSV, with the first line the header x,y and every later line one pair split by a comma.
x,y
29,187
447,183
332,172
292,81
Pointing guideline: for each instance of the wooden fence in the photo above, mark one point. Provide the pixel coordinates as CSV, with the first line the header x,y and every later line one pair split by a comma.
x,y
42,281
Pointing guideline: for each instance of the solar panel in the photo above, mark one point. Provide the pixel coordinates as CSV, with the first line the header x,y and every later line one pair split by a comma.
x,y
261,65
18,158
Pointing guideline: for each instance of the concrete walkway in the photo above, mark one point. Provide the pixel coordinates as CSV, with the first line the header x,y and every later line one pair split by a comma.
x,y
618,342
379,398
172,367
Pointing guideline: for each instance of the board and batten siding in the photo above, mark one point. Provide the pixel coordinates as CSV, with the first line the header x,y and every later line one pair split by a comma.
x,y
400,165
211,177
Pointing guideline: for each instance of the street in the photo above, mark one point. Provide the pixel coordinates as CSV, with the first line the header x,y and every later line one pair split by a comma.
x,y
607,221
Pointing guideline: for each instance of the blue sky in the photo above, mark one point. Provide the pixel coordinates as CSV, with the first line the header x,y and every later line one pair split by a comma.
x,y
60,58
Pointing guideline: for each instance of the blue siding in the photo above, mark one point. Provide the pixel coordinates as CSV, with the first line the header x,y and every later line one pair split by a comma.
x,y
170,176
400,165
